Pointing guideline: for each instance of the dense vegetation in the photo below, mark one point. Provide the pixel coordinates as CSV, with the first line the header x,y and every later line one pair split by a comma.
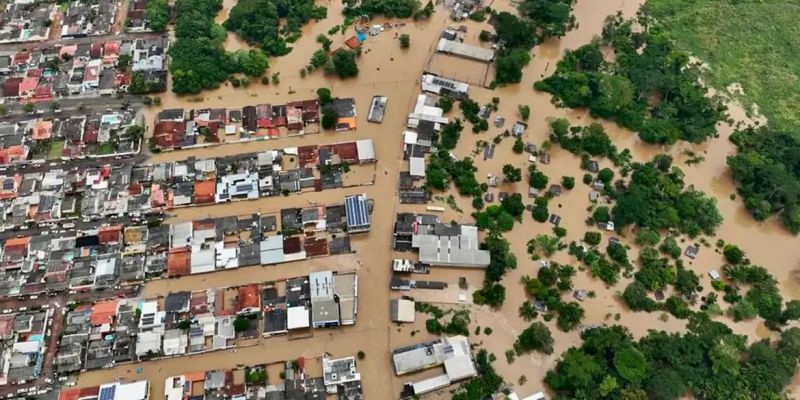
x,y
657,199
748,42
389,8
486,384
198,60
651,88
708,360
157,15
767,168
552,17
259,22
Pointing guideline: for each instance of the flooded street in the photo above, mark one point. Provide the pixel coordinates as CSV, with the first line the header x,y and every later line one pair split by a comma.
x,y
388,70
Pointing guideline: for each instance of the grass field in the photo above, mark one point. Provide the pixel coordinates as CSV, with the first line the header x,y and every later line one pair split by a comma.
x,y
755,43
54,153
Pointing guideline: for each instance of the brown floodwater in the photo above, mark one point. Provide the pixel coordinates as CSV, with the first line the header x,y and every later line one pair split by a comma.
x,y
387,69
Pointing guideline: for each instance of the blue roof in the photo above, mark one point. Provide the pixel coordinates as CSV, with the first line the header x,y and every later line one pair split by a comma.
x,y
357,209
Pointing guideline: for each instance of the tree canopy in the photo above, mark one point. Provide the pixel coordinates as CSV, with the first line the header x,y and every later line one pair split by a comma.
x,y
709,360
659,200
650,88
258,21
157,15
767,169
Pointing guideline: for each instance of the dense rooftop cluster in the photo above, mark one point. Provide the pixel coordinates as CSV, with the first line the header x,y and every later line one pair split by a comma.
x,y
85,69
103,257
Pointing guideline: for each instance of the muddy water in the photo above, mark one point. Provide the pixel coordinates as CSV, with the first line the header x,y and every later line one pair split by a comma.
x,y
386,69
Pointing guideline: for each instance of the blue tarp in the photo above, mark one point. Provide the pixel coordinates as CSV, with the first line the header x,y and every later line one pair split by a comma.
x,y
361,37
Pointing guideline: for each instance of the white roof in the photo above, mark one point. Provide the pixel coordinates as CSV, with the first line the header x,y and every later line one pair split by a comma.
x,y
410,137
405,310
173,387
27,347
149,307
460,367
465,50
297,318
272,250
417,166
321,285
131,391
202,260
435,84
430,384
366,150
536,396
105,267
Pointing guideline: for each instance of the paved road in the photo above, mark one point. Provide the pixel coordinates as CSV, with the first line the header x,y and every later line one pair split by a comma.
x,y
69,106
14,47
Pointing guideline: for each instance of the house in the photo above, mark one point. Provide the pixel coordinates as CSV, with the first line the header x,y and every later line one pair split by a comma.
x,y
324,307
402,310
149,55
357,210
345,110
444,87
459,49
248,299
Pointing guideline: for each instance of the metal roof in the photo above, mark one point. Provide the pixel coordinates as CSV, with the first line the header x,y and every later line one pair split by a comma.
x,y
357,210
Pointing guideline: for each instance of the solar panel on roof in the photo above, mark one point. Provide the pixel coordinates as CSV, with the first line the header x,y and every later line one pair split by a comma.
x,y
244,188
447,84
107,393
8,184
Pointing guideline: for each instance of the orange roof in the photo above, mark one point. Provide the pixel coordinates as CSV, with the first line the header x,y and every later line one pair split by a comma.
x,y
247,297
42,130
204,191
353,42
178,262
103,312
196,376
349,121
78,393
23,241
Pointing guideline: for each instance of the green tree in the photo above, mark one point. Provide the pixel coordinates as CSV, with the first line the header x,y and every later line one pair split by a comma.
x,y
631,364
592,238
519,146
512,174
324,96
405,40
569,316
157,15
492,294
536,337
319,58
536,178
568,182
250,62
325,42
329,118
524,111
733,254
344,63
508,67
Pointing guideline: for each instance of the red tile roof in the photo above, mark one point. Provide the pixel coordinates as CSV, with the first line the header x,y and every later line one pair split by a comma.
x,y
178,260
248,297
103,312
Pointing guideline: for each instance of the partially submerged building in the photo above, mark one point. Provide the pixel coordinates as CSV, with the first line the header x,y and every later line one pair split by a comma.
x,y
451,352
